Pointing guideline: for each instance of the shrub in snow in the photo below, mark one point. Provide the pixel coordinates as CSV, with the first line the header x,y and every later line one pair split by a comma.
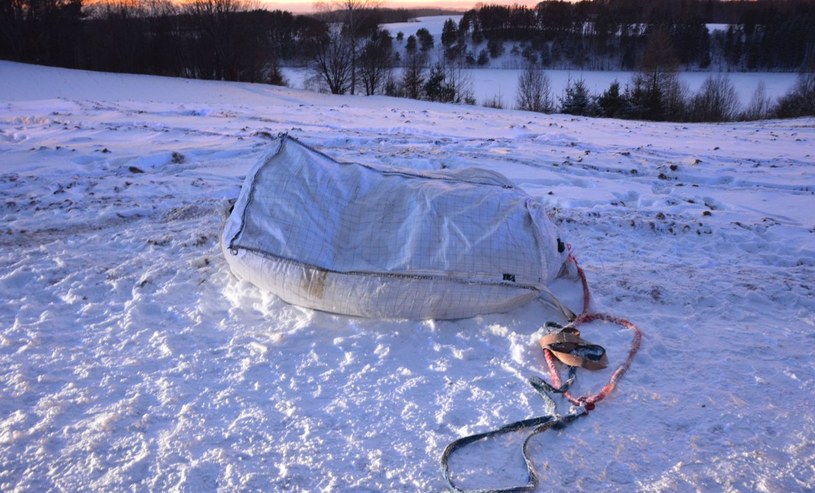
x,y
496,102
800,101
275,76
716,101
534,91
759,106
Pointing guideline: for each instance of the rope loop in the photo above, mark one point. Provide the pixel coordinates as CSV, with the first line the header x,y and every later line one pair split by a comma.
x,y
585,317
564,345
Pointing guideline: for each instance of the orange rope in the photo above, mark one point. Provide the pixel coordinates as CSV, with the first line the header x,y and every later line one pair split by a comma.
x,y
588,401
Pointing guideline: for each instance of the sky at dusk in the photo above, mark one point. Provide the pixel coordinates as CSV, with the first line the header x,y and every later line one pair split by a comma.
x,y
309,6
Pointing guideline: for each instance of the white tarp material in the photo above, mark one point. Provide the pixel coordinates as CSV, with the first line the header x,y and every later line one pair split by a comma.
x,y
384,242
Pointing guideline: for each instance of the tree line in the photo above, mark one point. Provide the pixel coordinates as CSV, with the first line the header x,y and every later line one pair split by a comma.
x,y
348,51
434,72
612,34
206,39
655,93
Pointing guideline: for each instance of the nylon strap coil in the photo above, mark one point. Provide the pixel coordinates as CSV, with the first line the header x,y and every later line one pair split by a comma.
x,y
560,345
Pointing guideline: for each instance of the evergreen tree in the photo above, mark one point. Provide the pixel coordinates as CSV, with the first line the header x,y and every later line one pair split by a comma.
x,y
275,76
425,39
413,77
449,34
441,85
410,46
612,102
655,90
483,57
577,100
495,47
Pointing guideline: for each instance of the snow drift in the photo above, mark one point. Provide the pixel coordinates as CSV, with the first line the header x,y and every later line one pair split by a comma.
x,y
386,242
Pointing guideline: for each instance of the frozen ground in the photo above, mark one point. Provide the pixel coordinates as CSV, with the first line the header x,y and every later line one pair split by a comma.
x,y
132,360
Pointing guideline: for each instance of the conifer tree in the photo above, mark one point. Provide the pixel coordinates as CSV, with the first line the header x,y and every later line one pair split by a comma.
x,y
576,100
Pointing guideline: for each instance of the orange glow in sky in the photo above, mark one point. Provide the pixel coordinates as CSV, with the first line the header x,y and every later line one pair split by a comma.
x,y
302,6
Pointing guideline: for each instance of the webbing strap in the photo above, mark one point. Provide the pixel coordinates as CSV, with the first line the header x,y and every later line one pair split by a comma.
x,y
582,404
586,317
552,300
572,350
538,425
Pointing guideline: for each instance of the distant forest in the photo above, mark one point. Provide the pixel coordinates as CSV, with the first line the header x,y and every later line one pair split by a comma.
x,y
349,51
221,39
611,34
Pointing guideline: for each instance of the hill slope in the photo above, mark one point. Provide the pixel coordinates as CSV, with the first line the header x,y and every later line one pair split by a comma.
x,y
130,358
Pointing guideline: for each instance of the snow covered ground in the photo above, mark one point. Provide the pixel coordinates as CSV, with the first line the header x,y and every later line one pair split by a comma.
x,y
132,360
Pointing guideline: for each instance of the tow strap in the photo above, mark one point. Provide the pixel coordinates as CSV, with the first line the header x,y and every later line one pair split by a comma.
x,y
564,344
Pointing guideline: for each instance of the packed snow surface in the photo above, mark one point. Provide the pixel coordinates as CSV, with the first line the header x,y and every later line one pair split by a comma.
x,y
132,360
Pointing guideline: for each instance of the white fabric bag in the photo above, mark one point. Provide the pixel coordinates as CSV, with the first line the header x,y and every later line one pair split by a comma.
x,y
385,242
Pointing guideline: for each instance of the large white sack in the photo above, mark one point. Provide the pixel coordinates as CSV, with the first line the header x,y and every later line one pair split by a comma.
x,y
385,242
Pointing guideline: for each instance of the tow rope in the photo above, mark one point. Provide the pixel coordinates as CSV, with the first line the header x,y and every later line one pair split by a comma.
x,y
564,344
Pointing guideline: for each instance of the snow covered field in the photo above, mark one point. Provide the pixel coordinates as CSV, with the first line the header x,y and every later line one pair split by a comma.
x,y
132,360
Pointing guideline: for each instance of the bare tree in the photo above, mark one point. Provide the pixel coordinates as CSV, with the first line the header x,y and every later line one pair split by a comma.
x,y
716,101
534,91
375,61
332,62
759,106
800,100
351,14
217,22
